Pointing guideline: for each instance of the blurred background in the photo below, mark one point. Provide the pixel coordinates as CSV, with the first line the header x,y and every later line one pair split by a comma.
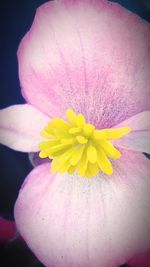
x,y
16,19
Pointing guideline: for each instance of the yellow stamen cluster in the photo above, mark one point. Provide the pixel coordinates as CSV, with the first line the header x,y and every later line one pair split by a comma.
x,y
77,145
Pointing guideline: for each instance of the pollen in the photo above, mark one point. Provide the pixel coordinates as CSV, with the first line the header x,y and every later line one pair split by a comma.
x,y
76,146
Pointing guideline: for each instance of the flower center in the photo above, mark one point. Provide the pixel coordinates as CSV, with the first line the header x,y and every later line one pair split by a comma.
x,y
77,145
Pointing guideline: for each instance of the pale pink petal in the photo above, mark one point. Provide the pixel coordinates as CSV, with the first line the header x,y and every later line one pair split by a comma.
x,y
72,221
20,127
139,122
139,138
136,141
141,260
92,56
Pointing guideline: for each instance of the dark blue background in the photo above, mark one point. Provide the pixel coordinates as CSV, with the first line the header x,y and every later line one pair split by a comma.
x,y
17,17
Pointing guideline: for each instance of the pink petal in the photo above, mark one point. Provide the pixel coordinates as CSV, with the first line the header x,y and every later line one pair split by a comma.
x,y
92,56
139,138
20,127
72,221
141,260
7,230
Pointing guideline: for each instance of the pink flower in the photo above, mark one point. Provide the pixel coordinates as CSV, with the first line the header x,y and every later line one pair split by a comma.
x,y
7,230
141,260
92,57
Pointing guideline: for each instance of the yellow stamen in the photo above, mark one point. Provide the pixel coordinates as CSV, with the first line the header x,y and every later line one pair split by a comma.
x,y
77,156
92,154
77,146
92,170
82,164
74,130
104,163
81,139
80,121
88,129
71,116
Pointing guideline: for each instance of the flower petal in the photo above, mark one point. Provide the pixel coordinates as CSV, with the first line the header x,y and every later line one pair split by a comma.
x,y
20,127
136,141
71,221
7,230
35,160
139,138
139,122
141,260
91,56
